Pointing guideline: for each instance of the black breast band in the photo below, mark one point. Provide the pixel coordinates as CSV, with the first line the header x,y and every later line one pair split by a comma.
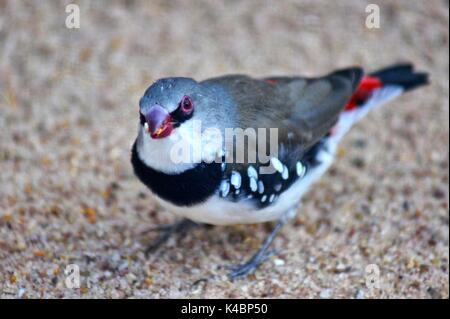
x,y
188,188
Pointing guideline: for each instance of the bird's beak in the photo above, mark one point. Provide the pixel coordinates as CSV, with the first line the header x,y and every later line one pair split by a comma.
x,y
158,122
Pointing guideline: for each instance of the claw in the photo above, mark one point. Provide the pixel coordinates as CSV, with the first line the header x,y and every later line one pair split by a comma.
x,y
261,255
250,266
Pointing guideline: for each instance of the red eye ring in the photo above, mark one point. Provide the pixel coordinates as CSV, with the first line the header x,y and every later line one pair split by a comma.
x,y
186,104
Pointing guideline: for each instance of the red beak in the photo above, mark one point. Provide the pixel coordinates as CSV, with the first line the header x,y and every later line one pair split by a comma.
x,y
159,122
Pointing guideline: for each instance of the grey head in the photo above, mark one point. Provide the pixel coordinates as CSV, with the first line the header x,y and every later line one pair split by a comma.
x,y
172,113
170,102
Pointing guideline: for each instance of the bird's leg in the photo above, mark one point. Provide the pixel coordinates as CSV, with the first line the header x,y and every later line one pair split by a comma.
x,y
178,228
261,255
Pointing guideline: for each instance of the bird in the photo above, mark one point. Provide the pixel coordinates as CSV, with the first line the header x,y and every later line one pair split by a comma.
x,y
182,150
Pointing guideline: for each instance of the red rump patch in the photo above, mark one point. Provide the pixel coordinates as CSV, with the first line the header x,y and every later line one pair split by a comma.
x,y
364,91
271,81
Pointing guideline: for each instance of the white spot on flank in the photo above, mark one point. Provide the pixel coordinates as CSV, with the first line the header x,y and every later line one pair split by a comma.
x,y
223,166
263,199
251,172
271,198
285,174
235,179
260,187
277,164
253,184
300,168
224,188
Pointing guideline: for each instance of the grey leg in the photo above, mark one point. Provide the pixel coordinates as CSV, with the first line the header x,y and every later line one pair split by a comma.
x,y
261,255
178,228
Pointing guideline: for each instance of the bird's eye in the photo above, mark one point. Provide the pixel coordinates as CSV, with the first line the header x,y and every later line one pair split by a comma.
x,y
186,104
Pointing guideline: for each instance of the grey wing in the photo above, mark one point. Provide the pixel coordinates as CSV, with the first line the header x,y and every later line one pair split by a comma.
x,y
302,109
317,102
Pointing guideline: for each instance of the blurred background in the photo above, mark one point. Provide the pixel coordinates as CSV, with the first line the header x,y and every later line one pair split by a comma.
x,y
69,114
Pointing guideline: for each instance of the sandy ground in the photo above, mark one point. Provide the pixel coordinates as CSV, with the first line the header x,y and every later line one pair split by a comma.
x,y
68,116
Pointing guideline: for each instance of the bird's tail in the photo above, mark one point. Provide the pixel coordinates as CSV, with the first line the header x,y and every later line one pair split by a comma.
x,y
377,89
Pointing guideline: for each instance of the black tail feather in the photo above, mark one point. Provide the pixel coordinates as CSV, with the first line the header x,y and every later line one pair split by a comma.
x,y
403,75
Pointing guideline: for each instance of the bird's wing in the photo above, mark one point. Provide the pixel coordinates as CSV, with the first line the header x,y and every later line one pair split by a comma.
x,y
302,109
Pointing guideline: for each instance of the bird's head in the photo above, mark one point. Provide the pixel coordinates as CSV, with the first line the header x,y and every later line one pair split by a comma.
x,y
167,104
170,111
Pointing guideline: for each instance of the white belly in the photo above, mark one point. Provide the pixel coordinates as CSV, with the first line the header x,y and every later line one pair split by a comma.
x,y
219,211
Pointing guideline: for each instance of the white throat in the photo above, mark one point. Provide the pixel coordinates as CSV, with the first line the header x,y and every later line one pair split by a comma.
x,y
178,152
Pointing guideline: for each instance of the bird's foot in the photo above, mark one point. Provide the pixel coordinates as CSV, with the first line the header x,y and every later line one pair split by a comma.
x,y
261,255
243,270
179,228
